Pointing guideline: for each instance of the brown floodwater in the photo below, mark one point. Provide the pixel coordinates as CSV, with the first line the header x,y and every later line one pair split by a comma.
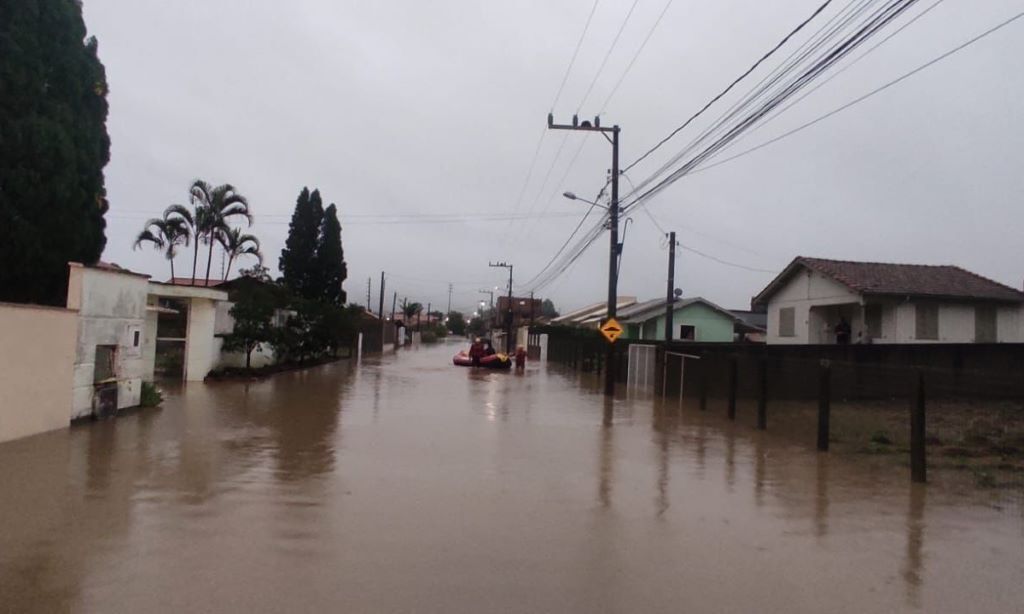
x,y
404,484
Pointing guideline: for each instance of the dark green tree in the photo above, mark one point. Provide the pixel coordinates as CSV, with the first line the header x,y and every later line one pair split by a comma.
x,y
331,270
457,323
547,309
53,147
253,314
298,258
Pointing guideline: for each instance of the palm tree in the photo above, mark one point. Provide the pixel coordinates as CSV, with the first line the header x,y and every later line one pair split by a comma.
x,y
165,233
236,244
214,206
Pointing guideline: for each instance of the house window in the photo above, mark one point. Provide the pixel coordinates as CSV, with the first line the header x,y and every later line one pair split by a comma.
x,y
104,363
873,320
687,332
926,322
787,322
985,328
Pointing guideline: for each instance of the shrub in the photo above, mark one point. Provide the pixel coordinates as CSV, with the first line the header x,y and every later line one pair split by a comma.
x,y
151,395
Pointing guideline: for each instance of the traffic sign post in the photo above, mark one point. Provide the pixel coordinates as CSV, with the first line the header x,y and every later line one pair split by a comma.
x,y
611,330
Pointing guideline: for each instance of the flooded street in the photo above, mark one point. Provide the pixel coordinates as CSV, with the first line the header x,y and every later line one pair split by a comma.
x,y
405,484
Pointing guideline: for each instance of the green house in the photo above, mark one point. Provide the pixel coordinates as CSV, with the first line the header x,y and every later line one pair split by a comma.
x,y
693,319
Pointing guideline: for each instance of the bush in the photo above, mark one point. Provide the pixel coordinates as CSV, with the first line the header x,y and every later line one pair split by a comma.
x,y
151,395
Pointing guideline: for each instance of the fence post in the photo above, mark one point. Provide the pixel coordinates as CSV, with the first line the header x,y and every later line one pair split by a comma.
x,y
824,403
918,465
732,388
762,396
703,383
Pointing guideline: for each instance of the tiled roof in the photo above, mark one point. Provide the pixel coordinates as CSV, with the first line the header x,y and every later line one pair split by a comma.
x,y
921,280
200,282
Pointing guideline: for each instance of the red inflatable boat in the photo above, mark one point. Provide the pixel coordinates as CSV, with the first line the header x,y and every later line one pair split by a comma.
x,y
494,361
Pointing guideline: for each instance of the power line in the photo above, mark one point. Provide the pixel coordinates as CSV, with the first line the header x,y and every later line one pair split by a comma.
x,y
575,53
611,48
730,86
833,55
867,95
635,56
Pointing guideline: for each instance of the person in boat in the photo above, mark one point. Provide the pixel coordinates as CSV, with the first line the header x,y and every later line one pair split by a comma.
x,y
476,352
489,350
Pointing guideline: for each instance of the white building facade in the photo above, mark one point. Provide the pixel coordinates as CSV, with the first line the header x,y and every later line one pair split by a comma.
x,y
889,303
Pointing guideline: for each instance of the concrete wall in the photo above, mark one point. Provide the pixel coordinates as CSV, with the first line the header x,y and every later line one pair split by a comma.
x,y
202,347
37,358
149,343
111,307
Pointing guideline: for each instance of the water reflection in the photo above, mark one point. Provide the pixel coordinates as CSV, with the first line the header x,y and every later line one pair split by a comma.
x,y
336,489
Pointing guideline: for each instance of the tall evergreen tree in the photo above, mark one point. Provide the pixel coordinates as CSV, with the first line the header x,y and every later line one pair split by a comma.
x,y
53,147
298,258
330,259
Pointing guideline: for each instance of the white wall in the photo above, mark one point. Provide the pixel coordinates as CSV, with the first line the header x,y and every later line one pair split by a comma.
x,y
202,349
37,358
803,290
956,324
111,306
149,344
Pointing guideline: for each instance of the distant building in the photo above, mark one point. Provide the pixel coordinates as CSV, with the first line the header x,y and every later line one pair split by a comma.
x,y
592,315
693,319
524,310
889,303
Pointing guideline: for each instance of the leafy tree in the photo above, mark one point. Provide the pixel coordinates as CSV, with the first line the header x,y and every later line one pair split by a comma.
x,y
214,206
298,258
53,147
477,326
411,309
257,271
165,233
547,309
330,269
457,323
235,244
253,314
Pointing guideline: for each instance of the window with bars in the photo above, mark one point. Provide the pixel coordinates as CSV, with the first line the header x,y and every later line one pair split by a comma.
x,y
873,320
926,322
985,327
787,322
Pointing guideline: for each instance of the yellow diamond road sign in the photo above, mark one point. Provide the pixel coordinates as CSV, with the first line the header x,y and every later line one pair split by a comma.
x,y
611,330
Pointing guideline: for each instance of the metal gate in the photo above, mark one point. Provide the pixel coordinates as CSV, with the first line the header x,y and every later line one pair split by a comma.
x,y
642,362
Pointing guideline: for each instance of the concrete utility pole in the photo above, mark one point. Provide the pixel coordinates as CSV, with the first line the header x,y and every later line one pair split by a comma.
x,y
394,299
508,316
670,292
449,301
428,315
380,312
369,284
615,248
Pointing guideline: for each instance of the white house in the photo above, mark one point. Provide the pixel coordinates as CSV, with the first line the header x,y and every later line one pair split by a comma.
x,y
108,365
889,303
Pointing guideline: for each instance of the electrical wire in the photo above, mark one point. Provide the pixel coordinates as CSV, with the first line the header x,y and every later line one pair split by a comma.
x,y
579,43
636,55
864,97
730,86
611,48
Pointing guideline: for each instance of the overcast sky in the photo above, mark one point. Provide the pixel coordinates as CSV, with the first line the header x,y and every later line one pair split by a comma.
x,y
411,108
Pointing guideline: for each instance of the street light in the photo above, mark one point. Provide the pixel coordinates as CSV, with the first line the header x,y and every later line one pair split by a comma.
x,y
572,196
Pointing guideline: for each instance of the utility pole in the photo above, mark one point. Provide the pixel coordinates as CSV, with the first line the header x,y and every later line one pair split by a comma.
x,y
531,307
394,299
508,316
369,286
380,312
428,315
449,300
670,291
615,248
